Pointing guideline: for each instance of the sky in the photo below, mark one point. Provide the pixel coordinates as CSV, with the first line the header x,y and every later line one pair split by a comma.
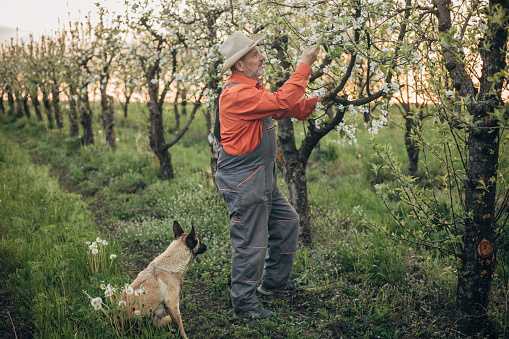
x,y
41,16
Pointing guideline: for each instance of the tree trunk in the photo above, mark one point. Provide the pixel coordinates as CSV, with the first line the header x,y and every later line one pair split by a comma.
x,y
478,256
19,105
26,109
290,160
36,104
479,253
214,145
108,118
55,94
47,108
74,130
2,107
109,125
10,101
183,96
86,119
293,167
126,104
410,144
157,142
177,115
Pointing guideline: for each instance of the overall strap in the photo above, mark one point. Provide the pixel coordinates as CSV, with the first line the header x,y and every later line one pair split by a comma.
x,y
217,127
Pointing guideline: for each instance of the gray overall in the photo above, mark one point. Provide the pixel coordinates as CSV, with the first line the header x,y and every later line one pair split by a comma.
x,y
264,226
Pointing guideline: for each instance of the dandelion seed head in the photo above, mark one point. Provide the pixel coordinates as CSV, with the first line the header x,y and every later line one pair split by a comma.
x,y
96,303
113,256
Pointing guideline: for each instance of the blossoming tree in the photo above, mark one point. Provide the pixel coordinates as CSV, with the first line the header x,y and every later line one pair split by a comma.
x,y
364,42
462,214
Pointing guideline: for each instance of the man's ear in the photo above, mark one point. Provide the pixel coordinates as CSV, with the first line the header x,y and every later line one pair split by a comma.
x,y
177,230
239,66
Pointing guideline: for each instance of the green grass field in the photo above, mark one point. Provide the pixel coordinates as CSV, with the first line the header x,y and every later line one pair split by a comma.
x,y
57,197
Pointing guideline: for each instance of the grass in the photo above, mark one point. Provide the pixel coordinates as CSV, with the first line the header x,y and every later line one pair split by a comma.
x,y
57,195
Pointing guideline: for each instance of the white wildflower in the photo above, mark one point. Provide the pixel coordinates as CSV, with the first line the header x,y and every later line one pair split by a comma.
x,y
95,251
109,291
449,93
113,256
96,303
139,291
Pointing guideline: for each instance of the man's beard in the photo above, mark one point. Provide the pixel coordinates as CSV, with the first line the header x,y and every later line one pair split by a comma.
x,y
256,73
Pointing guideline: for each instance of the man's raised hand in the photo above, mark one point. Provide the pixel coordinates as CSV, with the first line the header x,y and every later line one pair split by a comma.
x,y
310,55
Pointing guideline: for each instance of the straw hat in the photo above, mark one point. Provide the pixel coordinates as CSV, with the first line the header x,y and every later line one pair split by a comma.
x,y
236,46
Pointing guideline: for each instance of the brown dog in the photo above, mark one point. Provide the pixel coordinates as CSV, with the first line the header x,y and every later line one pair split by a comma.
x,y
157,288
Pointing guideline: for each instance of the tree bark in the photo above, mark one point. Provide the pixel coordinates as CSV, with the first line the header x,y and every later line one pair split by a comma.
x,y
26,109
19,105
109,125
2,107
176,115
293,166
36,104
478,255
156,135
74,130
10,101
108,117
125,106
86,119
55,96
47,108
289,159
411,147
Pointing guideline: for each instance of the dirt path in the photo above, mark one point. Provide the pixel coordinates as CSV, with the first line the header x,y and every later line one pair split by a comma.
x,y
11,322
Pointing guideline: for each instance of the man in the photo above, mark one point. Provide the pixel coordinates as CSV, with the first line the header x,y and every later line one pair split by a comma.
x,y
264,226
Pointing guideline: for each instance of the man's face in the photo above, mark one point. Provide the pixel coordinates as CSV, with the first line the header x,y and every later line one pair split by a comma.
x,y
252,64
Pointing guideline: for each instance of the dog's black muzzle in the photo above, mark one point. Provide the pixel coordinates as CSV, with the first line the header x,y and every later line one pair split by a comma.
x,y
201,249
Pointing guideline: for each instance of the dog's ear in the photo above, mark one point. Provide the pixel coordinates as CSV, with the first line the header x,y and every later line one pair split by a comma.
x,y
191,242
177,230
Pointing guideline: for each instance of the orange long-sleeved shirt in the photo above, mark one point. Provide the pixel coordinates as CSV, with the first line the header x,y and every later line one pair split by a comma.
x,y
242,108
